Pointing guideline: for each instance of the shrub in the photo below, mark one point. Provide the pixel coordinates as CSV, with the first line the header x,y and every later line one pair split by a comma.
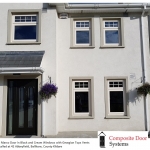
x,y
144,89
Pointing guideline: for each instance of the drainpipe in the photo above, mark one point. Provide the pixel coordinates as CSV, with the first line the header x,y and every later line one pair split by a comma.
x,y
144,71
42,113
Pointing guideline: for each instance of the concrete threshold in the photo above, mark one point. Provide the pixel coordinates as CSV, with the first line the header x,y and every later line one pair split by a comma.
x,y
75,134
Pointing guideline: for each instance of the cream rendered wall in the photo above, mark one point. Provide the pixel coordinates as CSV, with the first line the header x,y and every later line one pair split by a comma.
x,y
48,44
99,63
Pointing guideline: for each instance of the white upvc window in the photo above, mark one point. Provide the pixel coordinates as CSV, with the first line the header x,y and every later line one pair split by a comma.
x,y
82,29
81,97
116,97
111,32
24,27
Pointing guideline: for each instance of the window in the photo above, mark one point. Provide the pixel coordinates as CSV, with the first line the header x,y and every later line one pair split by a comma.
x,y
24,27
116,98
82,33
81,97
112,33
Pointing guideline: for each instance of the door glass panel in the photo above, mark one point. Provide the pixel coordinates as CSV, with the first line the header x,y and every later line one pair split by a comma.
x,y
30,106
10,109
21,107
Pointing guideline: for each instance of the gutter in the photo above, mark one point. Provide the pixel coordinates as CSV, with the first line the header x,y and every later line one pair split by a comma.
x,y
79,8
98,5
10,70
144,71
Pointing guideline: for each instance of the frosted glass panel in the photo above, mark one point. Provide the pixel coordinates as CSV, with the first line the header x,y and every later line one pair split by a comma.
x,y
30,106
10,109
21,107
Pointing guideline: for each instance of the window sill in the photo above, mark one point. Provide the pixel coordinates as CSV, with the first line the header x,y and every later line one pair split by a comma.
x,y
111,46
81,117
117,117
23,43
82,47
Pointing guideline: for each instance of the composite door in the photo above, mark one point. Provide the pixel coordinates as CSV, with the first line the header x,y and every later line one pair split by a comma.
x,y
22,101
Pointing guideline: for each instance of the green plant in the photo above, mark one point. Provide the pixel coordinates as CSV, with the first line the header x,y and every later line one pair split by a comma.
x,y
144,89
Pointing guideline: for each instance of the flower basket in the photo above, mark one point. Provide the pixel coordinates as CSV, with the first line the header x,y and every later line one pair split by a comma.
x,y
143,90
47,90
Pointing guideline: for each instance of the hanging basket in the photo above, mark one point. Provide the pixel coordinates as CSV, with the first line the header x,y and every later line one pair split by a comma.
x,y
47,90
143,90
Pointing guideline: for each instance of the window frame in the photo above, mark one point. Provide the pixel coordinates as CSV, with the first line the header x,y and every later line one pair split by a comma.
x,y
11,25
125,113
90,90
120,30
82,29
73,28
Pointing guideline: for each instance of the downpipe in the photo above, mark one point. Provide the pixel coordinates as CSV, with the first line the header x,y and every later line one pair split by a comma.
x,y
146,117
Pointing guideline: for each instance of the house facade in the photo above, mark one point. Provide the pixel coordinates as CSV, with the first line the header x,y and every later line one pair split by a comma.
x,y
97,54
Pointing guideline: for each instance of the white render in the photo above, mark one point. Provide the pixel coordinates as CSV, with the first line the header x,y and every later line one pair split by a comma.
x,y
61,62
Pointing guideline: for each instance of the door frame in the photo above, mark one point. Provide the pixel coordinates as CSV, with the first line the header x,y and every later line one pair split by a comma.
x,y
4,103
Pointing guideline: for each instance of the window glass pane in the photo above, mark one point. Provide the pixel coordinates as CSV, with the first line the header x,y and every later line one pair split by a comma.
x,y
116,101
115,85
86,24
106,24
30,106
120,84
21,107
22,17
111,24
25,32
115,24
86,84
82,37
111,36
76,84
28,18
17,18
77,24
10,107
33,18
81,102
81,84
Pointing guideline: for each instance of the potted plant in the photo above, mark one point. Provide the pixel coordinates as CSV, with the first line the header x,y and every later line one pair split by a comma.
x,y
47,90
144,89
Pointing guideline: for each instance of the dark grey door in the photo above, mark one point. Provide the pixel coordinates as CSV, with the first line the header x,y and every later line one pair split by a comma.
x,y
22,107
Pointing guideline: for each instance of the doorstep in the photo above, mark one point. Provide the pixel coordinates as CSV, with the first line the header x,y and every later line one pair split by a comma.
x,y
75,134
